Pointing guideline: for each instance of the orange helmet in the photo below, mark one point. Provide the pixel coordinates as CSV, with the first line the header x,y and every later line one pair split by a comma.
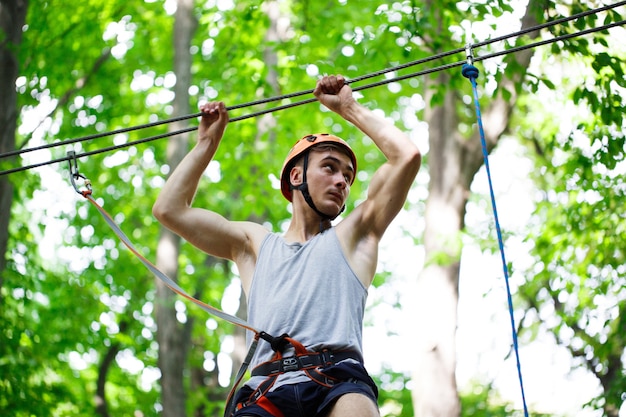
x,y
300,148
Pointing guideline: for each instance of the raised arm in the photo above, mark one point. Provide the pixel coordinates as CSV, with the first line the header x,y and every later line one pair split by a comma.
x,y
205,229
390,184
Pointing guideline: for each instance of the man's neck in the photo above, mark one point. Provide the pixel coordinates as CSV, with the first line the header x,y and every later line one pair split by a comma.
x,y
304,230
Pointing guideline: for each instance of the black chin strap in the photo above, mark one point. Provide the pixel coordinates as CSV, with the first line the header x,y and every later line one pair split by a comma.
x,y
304,189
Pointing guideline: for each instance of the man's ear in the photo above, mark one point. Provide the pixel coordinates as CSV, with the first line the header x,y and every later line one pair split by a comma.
x,y
295,175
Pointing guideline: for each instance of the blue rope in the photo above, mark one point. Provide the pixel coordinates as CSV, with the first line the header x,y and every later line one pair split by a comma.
x,y
471,72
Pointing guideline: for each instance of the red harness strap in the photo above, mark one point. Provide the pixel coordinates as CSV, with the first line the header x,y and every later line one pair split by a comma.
x,y
268,406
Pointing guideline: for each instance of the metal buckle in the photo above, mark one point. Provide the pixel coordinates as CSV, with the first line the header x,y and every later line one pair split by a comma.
x,y
327,357
289,364
256,395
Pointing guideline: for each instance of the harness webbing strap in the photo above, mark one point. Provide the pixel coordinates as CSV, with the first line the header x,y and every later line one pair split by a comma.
x,y
311,363
268,406
277,343
159,274
308,360
314,372
230,400
178,290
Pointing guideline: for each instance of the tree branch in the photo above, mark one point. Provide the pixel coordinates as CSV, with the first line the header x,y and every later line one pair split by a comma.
x,y
65,98
103,369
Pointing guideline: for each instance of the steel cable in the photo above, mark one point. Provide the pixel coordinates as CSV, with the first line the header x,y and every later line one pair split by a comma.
x,y
297,94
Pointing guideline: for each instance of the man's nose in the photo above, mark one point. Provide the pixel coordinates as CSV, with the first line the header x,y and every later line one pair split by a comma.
x,y
341,181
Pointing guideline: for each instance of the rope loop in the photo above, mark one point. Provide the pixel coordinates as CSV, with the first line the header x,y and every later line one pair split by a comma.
x,y
279,343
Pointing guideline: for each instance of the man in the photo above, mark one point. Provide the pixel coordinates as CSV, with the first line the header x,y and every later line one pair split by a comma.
x,y
311,283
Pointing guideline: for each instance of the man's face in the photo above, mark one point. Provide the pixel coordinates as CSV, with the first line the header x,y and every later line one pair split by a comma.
x,y
329,176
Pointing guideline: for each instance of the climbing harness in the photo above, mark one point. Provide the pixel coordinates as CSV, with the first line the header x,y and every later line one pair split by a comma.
x,y
311,363
308,361
470,72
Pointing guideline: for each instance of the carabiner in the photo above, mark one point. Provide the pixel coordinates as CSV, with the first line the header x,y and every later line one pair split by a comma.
x,y
75,175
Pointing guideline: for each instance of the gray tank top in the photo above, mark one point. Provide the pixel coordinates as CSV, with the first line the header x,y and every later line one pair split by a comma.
x,y
309,291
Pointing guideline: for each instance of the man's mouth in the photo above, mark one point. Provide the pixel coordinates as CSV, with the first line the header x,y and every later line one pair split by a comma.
x,y
337,196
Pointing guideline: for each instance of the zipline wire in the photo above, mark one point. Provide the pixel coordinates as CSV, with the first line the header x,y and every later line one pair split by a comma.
x,y
301,93
551,23
494,40
548,41
290,105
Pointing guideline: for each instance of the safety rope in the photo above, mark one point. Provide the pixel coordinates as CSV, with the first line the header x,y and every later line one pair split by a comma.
x,y
300,93
470,72
277,343
159,274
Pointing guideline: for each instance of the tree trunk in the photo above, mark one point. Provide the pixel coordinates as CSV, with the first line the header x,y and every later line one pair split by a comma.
x,y
174,338
435,393
12,19
107,360
452,161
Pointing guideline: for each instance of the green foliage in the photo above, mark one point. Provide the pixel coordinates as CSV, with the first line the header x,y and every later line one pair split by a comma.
x,y
479,400
35,320
107,65
578,279
394,395
482,401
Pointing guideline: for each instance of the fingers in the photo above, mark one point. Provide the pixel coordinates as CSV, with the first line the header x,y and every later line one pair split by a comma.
x,y
331,84
213,113
213,121
213,108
